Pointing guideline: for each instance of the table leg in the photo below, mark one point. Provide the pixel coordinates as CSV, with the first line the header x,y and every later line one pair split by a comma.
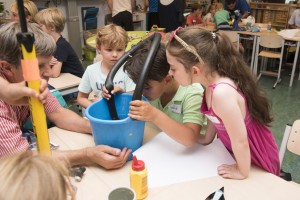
x,y
295,64
254,59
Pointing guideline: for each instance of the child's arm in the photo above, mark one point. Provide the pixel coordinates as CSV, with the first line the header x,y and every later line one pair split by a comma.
x,y
17,93
83,99
231,112
110,4
187,134
210,134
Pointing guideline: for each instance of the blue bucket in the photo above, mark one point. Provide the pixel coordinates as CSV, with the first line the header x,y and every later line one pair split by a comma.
x,y
125,132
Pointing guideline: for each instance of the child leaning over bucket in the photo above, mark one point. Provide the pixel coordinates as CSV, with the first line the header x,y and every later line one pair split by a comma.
x,y
174,109
111,43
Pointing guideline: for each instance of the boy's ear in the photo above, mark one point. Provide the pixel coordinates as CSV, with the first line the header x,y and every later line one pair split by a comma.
x,y
168,78
5,67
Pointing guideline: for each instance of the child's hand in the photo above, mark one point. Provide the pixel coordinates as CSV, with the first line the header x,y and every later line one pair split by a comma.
x,y
53,61
116,90
17,93
141,110
231,172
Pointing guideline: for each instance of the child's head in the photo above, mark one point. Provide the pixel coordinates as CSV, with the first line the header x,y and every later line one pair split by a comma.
x,y
219,6
158,72
195,8
51,19
112,36
197,55
30,177
111,42
10,50
212,8
30,10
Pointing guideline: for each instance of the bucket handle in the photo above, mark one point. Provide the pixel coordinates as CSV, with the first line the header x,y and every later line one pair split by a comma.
x,y
137,95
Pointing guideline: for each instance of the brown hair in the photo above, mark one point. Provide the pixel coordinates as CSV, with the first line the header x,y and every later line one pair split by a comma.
x,y
160,66
112,35
30,177
219,55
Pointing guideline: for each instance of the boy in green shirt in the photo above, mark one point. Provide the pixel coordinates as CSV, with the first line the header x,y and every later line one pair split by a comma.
x,y
174,109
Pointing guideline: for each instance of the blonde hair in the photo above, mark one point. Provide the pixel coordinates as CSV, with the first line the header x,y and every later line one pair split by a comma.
x,y
29,8
51,17
33,177
219,6
112,35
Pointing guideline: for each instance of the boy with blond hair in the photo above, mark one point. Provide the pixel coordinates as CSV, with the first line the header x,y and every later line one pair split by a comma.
x,y
65,60
221,17
111,43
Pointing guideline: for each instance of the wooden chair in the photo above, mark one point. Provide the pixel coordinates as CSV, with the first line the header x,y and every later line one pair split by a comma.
x,y
290,141
233,36
268,44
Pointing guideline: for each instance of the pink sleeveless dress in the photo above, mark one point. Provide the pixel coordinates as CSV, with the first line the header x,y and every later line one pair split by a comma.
x,y
263,147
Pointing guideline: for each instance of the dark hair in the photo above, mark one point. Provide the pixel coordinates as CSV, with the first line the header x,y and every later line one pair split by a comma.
x,y
194,7
229,2
159,69
219,55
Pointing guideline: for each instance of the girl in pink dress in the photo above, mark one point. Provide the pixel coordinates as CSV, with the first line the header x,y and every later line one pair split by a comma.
x,y
237,109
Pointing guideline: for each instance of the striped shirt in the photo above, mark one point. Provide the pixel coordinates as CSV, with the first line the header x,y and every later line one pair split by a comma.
x,y
12,117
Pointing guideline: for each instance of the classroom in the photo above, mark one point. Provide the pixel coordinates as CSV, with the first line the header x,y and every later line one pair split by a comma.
x,y
149,99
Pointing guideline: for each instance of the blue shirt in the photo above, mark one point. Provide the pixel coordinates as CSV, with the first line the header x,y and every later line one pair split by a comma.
x,y
153,6
241,5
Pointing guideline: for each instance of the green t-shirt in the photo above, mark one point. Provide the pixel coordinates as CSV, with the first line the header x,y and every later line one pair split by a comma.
x,y
185,106
221,16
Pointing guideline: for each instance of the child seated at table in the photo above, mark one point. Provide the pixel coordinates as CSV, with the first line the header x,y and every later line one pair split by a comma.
x,y
221,17
173,108
65,60
209,17
30,10
111,42
194,18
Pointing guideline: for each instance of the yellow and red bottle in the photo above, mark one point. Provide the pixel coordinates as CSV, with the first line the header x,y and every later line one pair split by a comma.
x,y
139,178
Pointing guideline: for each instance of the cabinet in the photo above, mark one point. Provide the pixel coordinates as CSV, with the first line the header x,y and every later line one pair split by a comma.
x,y
277,14
139,21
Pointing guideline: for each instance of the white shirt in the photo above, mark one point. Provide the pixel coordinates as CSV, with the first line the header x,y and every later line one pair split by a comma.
x,y
120,6
295,18
93,79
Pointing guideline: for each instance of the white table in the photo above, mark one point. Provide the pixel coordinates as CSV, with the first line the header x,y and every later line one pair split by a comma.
x,y
97,182
66,83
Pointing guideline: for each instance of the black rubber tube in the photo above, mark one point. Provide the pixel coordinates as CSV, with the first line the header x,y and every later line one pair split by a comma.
x,y
137,95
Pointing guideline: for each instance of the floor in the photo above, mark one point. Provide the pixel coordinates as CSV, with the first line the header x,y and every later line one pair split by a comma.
x,y
285,103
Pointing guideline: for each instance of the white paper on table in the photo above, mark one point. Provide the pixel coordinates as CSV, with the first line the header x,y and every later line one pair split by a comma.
x,y
169,162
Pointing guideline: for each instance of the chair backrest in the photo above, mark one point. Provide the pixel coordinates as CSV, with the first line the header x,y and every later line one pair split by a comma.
x,y
232,35
108,19
270,41
293,144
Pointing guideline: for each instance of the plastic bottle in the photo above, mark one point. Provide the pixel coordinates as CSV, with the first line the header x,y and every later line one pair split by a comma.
x,y
269,26
139,178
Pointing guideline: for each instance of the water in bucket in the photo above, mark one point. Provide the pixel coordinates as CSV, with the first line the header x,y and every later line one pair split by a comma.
x,y
121,133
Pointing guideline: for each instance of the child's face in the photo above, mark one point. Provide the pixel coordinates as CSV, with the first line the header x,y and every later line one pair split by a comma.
x,y
45,28
154,89
178,71
44,66
111,55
